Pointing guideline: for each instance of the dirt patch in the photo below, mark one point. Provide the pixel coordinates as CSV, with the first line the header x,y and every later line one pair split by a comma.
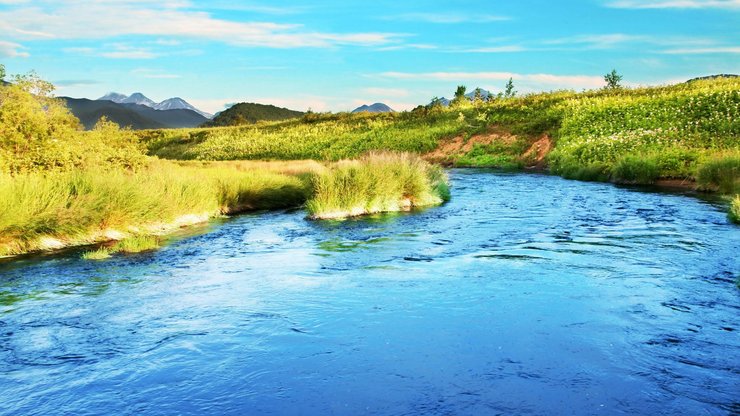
x,y
448,149
536,155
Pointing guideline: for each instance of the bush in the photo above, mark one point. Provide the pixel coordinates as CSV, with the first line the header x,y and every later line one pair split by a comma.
x,y
635,170
721,173
378,182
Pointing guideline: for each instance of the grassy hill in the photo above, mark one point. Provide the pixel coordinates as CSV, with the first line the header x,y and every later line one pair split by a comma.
x,y
624,135
250,113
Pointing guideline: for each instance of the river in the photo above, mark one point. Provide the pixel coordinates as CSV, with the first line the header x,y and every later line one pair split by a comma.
x,y
525,294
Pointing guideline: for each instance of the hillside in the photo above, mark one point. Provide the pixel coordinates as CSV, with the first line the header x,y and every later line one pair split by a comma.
x,y
135,116
625,135
249,113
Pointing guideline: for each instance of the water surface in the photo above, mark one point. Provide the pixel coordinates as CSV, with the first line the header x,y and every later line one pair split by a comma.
x,y
525,294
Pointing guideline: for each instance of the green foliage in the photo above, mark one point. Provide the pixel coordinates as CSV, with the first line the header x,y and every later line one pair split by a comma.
x,y
136,244
734,213
2,72
327,137
676,127
509,91
720,173
636,170
250,113
460,99
613,80
37,132
378,182
72,206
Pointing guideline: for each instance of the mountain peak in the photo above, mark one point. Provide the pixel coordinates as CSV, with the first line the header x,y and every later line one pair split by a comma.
x,y
139,98
373,108
113,96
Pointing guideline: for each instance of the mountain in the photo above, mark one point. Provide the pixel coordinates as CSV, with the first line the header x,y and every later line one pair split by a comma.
x,y
136,116
113,96
373,108
248,113
175,103
178,103
139,98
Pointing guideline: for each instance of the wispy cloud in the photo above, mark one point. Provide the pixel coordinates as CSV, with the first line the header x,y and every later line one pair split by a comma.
x,y
495,49
76,19
700,51
12,50
75,82
448,18
674,4
153,74
114,51
534,81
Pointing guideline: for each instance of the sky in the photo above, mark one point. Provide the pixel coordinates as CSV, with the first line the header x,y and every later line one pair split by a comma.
x,y
334,55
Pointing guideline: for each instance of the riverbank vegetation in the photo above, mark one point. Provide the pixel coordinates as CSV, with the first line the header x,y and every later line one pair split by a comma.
x,y
61,186
688,132
377,182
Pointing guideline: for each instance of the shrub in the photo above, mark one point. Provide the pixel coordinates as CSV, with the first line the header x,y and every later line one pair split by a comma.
x,y
720,173
635,170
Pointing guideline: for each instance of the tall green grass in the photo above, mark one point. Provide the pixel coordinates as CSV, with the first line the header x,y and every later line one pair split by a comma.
x,y
74,206
378,182
721,173
734,212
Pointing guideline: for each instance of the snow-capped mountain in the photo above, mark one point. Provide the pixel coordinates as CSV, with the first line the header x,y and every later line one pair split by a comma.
x,y
139,98
175,103
113,96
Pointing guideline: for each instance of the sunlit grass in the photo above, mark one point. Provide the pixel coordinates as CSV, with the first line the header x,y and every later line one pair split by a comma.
x,y
378,182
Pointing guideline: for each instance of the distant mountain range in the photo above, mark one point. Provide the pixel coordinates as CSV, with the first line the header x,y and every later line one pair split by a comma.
x,y
136,116
175,103
373,108
249,113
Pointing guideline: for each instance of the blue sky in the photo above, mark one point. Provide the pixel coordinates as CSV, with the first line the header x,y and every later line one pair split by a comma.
x,y
335,55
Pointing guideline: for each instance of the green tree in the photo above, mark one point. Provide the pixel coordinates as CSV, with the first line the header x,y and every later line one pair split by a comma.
x,y
509,91
2,72
478,96
460,97
613,80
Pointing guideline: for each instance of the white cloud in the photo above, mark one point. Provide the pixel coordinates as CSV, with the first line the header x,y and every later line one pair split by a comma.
x,y
707,50
531,81
674,4
12,50
496,49
114,51
448,18
77,19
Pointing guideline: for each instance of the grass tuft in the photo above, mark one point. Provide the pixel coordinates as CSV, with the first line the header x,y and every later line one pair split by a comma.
x,y
99,254
378,182
721,173
136,244
734,213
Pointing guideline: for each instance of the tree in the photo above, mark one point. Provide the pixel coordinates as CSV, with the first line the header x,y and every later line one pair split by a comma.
x,y
2,72
509,91
478,96
459,96
613,80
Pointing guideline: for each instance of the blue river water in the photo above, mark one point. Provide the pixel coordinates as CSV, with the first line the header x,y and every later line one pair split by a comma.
x,y
525,294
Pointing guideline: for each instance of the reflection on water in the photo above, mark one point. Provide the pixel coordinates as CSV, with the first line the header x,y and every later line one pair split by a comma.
x,y
525,294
